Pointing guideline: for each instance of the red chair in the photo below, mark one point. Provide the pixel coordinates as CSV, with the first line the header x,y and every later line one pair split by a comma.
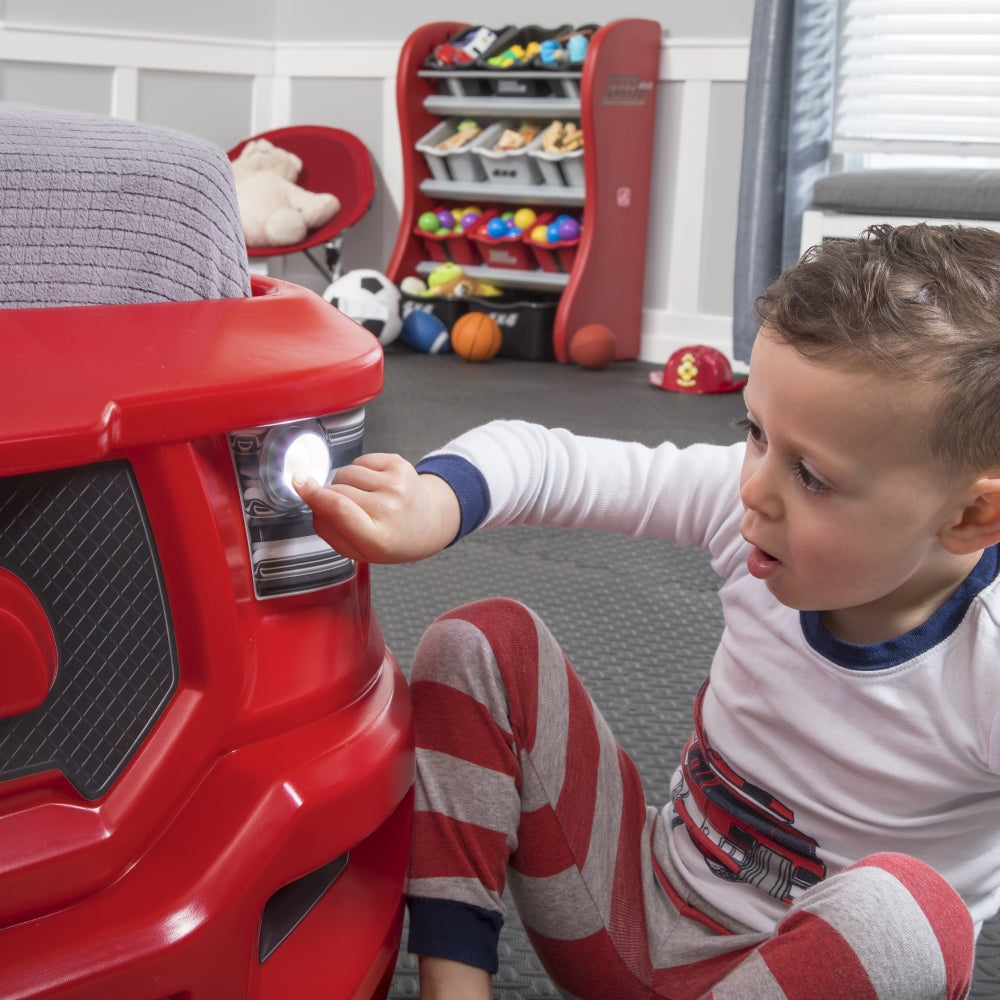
x,y
333,161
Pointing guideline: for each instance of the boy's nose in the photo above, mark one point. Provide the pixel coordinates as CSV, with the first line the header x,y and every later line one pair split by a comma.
x,y
757,489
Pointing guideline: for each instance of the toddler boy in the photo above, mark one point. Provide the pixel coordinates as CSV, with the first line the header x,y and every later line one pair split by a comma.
x,y
833,829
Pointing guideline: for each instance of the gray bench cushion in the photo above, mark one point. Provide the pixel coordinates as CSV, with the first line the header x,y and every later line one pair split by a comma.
x,y
961,193
98,210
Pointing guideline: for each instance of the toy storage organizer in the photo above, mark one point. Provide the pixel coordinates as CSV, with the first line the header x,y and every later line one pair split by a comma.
x,y
549,290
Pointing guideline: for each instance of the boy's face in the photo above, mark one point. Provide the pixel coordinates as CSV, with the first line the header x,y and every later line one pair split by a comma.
x,y
844,504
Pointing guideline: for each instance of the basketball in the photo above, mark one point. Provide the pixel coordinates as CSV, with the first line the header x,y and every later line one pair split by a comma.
x,y
476,337
593,346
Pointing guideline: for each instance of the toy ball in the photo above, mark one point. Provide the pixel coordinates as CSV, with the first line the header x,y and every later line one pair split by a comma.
x,y
569,228
496,227
469,219
445,219
552,232
370,299
593,346
429,222
540,234
525,218
476,337
424,332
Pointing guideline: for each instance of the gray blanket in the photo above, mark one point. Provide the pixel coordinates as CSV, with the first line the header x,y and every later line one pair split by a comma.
x,y
97,210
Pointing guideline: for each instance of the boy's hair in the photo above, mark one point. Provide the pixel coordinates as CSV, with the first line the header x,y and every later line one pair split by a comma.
x,y
918,303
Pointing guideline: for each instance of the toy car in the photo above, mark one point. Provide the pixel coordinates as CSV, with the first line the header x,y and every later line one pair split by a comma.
x,y
205,747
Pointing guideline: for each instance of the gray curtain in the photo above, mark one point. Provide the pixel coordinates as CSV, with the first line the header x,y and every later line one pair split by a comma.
x,y
786,144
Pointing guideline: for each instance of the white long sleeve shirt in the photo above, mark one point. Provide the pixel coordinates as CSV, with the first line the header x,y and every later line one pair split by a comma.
x,y
808,753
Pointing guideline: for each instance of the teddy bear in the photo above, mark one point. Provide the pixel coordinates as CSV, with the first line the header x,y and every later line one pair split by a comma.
x,y
274,210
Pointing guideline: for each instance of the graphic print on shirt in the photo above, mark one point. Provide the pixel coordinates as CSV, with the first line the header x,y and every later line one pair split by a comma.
x,y
744,833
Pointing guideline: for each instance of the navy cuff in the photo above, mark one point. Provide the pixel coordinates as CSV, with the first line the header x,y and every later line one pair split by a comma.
x,y
469,485
444,928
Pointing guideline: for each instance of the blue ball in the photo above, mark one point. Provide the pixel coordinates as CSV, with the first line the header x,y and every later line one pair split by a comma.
x,y
423,331
497,228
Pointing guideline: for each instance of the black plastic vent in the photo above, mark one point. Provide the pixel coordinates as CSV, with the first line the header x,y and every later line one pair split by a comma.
x,y
80,540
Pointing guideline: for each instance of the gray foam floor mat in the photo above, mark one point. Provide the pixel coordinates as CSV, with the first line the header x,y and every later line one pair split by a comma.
x,y
638,620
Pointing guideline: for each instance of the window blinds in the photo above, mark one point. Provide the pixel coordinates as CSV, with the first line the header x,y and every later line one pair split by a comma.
x,y
919,76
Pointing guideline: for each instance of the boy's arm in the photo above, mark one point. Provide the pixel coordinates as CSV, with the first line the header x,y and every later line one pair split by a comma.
x,y
379,509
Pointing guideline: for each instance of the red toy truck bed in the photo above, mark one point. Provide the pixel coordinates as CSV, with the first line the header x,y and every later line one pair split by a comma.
x,y
205,747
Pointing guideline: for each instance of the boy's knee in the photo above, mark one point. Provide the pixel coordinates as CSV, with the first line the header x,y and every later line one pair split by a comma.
x,y
902,920
494,629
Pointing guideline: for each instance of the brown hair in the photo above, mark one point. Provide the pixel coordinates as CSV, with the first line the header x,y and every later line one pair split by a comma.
x,y
915,302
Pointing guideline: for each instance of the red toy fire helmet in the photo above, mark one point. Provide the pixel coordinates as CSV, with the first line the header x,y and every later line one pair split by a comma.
x,y
697,369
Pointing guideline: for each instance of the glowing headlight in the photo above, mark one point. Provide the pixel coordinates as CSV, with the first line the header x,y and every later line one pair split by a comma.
x,y
290,450
286,554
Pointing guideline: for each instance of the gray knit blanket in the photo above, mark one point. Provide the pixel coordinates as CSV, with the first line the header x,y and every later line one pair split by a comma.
x,y
97,210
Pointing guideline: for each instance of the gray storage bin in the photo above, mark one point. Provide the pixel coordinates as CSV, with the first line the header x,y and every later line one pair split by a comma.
x,y
510,166
450,164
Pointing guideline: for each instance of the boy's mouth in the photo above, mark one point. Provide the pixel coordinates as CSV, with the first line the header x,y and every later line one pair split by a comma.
x,y
762,564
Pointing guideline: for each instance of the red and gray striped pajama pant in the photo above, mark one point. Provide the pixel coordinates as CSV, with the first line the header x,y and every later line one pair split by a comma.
x,y
519,780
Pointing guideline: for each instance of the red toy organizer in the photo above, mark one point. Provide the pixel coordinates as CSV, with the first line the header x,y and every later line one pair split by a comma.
x,y
614,96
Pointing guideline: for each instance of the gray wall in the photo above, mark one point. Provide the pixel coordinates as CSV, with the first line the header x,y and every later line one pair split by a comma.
x,y
335,20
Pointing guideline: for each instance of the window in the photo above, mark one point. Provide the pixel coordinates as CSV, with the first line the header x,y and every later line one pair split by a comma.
x,y
918,83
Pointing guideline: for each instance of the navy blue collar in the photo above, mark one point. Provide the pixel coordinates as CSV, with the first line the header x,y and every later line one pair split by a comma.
x,y
892,652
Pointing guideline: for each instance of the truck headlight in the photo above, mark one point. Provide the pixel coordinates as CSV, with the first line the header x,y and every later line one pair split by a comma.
x,y
286,555
293,448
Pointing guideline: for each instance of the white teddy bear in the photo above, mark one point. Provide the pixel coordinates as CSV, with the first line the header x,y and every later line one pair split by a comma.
x,y
274,210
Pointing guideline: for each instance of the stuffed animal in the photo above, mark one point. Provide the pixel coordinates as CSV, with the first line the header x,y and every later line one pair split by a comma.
x,y
274,210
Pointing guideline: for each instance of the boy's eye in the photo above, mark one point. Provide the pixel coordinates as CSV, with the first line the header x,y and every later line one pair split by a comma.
x,y
808,480
748,427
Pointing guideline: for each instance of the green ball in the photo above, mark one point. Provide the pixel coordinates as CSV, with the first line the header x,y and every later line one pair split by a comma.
x,y
429,222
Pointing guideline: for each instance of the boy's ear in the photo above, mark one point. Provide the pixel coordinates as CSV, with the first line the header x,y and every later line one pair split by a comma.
x,y
978,526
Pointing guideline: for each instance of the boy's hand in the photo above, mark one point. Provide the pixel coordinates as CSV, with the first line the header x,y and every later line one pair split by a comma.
x,y
378,509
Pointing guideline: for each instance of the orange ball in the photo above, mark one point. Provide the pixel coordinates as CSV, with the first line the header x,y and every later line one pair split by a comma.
x,y
593,346
476,337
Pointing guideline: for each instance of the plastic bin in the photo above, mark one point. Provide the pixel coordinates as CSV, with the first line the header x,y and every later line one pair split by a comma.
x,y
450,164
506,83
560,169
444,307
504,252
449,245
507,166
525,323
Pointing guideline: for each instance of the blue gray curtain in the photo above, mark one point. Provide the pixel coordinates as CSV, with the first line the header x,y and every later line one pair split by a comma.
x,y
786,144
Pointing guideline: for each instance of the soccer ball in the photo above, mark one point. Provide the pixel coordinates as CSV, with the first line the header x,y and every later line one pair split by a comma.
x,y
371,299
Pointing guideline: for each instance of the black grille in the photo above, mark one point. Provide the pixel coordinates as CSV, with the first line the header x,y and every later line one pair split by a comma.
x,y
80,539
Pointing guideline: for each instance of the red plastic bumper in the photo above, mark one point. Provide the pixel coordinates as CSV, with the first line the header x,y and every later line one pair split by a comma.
x,y
184,922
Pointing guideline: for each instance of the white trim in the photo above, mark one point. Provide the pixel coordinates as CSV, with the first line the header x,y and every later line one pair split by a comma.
x,y
125,93
689,198
716,59
665,331
180,53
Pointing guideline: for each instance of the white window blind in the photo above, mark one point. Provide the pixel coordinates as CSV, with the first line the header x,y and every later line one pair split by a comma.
x,y
919,77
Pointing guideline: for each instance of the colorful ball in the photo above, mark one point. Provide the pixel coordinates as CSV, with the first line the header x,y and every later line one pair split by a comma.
x,y
445,219
429,222
525,218
424,332
569,228
496,228
476,337
593,346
